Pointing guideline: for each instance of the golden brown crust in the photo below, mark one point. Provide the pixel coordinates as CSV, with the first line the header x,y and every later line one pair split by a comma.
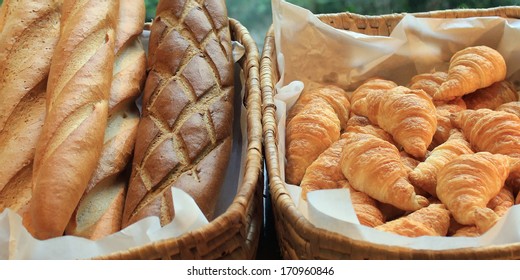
x,y
502,201
26,45
467,184
510,107
408,115
184,137
467,231
429,82
370,85
308,134
17,194
325,173
374,166
425,174
496,132
333,95
19,137
444,125
470,69
433,220
361,124
491,97
29,34
77,106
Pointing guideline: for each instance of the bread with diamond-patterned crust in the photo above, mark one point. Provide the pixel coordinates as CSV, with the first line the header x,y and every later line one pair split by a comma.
x,y
185,134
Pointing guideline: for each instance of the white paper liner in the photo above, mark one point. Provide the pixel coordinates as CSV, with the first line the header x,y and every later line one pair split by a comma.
x,y
310,53
17,243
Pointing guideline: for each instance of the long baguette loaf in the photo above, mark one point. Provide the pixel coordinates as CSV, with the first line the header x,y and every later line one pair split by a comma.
x,y
100,210
29,31
184,137
76,114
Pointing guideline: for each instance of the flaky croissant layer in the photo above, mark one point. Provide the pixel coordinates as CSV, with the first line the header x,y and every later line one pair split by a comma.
x,y
467,183
408,115
470,69
374,166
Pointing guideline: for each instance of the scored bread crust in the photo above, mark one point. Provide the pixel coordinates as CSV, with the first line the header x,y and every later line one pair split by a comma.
x,y
100,210
29,32
76,113
184,137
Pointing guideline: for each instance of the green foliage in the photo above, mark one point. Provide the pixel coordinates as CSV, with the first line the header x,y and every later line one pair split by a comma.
x,y
150,6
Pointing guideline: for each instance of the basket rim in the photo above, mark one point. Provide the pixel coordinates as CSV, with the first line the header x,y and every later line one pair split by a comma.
x,y
235,214
281,198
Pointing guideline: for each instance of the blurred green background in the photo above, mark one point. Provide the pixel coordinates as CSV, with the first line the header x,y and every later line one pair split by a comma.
x,y
256,14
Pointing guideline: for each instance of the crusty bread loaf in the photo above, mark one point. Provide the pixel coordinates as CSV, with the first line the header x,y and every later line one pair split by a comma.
x,y
76,114
184,138
29,31
100,210
28,34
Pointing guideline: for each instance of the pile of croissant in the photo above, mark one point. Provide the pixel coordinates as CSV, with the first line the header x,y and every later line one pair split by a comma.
x,y
438,157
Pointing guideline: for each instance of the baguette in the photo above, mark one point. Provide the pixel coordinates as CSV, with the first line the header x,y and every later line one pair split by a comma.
x,y
100,210
29,32
76,114
184,138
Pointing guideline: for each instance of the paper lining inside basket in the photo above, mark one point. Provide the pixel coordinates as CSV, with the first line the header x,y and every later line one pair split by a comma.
x,y
17,243
310,53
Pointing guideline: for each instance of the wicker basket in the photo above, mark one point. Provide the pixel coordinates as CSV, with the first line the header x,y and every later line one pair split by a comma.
x,y
297,237
236,232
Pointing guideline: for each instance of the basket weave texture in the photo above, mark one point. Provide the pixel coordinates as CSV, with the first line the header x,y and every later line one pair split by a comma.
x,y
235,233
297,237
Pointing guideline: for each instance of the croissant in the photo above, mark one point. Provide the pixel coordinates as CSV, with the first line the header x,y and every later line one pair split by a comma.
x,y
467,231
374,166
433,220
361,124
409,162
429,82
510,107
325,173
496,132
309,133
470,69
491,97
500,204
502,201
370,85
425,174
333,95
408,115
467,184
444,125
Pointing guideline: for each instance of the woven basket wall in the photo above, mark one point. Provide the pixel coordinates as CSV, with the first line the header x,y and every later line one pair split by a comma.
x,y
235,233
298,238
